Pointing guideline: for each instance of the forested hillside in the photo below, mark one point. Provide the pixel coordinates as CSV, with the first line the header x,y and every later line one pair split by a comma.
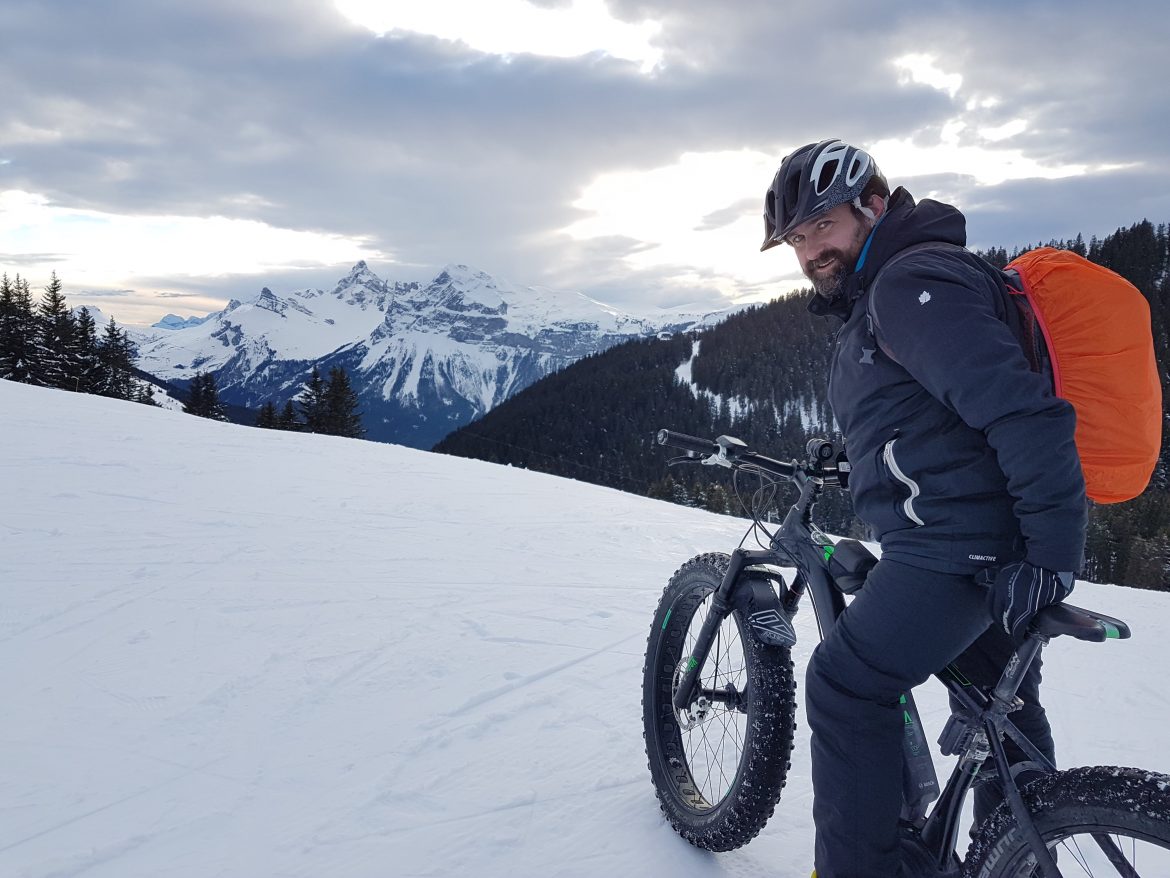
x,y
762,376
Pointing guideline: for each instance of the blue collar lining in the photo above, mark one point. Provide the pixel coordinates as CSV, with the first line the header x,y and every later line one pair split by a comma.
x,y
868,241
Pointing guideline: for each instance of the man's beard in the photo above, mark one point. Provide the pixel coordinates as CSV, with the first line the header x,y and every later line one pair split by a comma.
x,y
829,284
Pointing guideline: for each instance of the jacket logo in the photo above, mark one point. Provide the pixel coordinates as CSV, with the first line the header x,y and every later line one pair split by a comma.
x,y
867,356
924,298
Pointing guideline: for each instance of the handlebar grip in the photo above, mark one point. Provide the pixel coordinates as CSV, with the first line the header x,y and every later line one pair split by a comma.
x,y
687,443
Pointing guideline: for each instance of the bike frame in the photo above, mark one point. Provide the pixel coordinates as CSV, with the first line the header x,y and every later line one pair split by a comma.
x,y
976,729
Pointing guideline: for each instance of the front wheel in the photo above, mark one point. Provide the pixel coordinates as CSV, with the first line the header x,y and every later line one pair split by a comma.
x,y
1096,821
719,766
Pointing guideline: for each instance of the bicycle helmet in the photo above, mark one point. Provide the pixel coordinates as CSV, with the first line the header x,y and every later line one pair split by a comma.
x,y
812,180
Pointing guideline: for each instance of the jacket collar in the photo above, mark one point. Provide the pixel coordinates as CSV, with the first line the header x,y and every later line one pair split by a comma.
x,y
904,224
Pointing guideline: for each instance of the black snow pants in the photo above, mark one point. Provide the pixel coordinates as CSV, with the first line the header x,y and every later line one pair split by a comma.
x,y
904,624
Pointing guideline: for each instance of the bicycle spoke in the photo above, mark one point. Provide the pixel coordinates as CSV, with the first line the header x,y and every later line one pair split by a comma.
x,y
1125,868
714,744
1110,854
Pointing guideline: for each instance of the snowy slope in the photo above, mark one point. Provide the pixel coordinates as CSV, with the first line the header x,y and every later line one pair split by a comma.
x,y
235,652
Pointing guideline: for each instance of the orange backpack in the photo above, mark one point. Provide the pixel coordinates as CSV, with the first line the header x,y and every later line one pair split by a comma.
x,y
1096,329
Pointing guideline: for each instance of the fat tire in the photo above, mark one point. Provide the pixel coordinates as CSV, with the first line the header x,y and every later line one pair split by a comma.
x,y
770,703
1126,802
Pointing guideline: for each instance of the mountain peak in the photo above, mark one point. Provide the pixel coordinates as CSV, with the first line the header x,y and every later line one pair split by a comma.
x,y
463,288
457,272
360,274
174,321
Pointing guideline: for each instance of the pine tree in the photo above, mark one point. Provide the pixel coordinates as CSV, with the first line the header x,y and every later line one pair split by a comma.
x,y
196,403
116,355
19,360
215,409
88,367
717,500
267,419
203,400
313,404
699,496
144,393
8,318
287,419
662,489
342,417
56,339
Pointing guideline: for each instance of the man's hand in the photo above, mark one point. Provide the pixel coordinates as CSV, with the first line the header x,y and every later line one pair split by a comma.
x,y
1018,591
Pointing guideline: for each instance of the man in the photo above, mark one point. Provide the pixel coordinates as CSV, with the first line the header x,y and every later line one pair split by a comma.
x,y
963,465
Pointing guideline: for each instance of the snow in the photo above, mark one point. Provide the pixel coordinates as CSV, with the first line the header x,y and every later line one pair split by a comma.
x,y
174,321
236,652
740,407
363,309
737,406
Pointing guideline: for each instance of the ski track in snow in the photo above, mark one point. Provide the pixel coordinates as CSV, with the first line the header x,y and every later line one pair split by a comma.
x,y
235,652
737,406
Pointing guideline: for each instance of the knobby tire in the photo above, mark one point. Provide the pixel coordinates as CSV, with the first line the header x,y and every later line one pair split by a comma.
x,y
723,807
1129,805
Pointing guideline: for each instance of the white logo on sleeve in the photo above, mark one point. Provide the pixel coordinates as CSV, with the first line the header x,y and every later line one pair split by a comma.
x,y
924,298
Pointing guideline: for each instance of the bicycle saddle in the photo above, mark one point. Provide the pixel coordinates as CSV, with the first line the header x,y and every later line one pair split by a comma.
x,y
1082,624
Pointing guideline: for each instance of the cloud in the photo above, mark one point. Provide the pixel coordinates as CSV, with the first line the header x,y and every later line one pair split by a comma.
x,y
32,258
104,244
507,27
426,151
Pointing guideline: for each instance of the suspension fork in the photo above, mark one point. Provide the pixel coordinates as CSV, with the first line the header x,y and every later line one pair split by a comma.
x,y
721,604
794,540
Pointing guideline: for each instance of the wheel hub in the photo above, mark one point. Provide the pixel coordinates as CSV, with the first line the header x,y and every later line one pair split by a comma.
x,y
695,713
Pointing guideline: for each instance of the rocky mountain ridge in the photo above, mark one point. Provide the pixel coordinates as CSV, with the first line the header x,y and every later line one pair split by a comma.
x,y
424,359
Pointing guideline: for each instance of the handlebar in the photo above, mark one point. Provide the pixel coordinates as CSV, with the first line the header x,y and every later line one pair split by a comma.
x,y
731,452
687,443
727,451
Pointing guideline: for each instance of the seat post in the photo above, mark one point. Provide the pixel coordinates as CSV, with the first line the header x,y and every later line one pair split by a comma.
x,y
1017,666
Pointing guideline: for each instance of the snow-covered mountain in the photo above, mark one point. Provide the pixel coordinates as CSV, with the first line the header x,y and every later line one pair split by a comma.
x,y
423,359
174,321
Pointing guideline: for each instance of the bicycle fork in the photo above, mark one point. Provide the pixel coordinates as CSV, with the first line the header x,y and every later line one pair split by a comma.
x,y
770,624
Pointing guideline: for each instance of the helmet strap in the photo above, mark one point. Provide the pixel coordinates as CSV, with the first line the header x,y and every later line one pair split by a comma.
x,y
865,211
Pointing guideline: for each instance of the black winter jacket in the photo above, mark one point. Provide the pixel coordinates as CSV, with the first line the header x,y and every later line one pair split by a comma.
x,y
962,456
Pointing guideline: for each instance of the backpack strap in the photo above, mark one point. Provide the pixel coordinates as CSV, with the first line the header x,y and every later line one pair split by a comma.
x,y
1018,312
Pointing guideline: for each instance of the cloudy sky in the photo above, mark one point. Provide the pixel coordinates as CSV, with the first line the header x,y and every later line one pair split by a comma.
x,y
164,156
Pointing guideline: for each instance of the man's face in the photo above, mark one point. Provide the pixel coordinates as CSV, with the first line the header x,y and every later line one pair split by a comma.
x,y
828,247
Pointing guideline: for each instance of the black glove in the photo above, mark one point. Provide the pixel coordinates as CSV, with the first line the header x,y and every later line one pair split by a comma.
x,y
1018,591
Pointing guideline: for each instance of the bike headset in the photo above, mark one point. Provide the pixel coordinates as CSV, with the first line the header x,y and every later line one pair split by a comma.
x,y
814,179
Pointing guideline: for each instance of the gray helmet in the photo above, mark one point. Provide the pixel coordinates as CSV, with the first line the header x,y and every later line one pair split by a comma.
x,y
812,180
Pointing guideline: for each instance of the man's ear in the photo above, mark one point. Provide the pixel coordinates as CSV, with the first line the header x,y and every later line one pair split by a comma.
x,y
877,204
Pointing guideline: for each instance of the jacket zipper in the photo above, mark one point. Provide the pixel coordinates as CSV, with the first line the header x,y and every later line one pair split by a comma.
x,y
896,471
